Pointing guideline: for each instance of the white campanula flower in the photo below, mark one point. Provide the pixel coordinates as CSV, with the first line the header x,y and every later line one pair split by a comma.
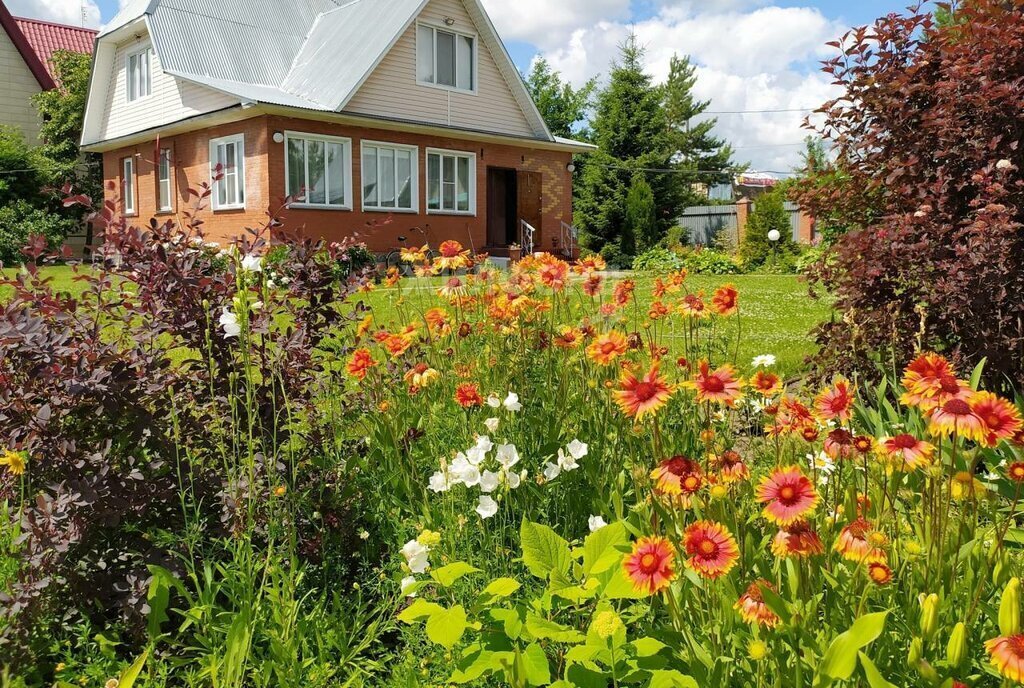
x,y
464,472
252,264
764,361
577,449
507,455
492,425
486,507
493,401
407,583
567,462
229,323
475,455
514,480
512,402
439,482
552,471
596,523
484,444
416,556
489,481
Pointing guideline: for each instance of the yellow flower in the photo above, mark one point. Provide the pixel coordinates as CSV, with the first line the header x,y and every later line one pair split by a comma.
x,y
719,491
429,538
607,624
280,491
912,547
16,462
757,650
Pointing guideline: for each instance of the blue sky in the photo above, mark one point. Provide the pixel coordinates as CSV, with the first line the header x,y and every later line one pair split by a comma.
x,y
751,55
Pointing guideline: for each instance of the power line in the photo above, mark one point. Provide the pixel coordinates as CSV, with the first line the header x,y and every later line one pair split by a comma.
x,y
755,112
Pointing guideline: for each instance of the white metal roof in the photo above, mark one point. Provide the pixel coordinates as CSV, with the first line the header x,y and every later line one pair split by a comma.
x,y
313,54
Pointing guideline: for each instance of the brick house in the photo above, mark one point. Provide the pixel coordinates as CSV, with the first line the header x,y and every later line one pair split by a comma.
x,y
377,116
26,46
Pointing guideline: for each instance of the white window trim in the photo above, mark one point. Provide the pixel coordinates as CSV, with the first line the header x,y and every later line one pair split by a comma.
x,y
472,181
128,76
476,58
128,177
346,164
415,150
239,140
169,208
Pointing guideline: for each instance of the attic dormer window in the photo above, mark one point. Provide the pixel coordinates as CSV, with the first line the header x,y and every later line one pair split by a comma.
x,y
446,58
140,79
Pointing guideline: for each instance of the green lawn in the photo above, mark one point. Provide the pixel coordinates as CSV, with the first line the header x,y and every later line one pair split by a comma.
x,y
777,313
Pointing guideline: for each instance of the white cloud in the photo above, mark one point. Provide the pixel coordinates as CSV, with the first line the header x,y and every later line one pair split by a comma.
x,y
765,58
73,12
545,24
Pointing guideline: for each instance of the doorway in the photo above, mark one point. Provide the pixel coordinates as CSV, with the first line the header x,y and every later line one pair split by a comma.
x,y
502,202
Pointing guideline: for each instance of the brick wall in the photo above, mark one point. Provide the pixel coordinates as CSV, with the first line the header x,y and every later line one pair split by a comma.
x,y
265,185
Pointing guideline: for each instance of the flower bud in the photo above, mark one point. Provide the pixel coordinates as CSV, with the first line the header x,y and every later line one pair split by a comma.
x,y
928,672
929,615
915,653
956,650
1009,609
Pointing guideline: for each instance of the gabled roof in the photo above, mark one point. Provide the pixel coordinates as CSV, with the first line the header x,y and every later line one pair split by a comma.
x,y
37,41
312,54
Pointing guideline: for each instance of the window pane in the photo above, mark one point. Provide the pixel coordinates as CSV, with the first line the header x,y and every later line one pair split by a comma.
x,y
403,168
133,77
445,58
316,168
465,63
463,185
129,185
369,173
434,182
336,174
296,169
231,173
239,170
220,169
425,54
145,90
387,177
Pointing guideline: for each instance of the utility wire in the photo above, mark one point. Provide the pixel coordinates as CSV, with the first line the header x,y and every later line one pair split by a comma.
x,y
755,112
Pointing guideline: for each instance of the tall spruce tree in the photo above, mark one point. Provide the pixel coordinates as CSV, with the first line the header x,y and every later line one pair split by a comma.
x,y
632,133
707,157
561,105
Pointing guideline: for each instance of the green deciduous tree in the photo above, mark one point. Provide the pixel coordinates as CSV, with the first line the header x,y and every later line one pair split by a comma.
x,y
562,106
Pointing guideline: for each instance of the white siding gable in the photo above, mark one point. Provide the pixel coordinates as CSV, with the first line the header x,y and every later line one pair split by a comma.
x,y
392,90
172,99
17,86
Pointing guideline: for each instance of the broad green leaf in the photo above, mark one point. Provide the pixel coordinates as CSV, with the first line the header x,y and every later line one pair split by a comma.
x,y
578,593
600,549
419,609
512,622
979,370
840,660
544,551
544,629
476,664
501,587
158,597
447,575
538,672
648,647
873,675
583,653
618,587
670,678
446,626
129,675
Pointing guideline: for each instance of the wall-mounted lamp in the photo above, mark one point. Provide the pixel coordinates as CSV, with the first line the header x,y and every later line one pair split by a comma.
x,y
278,137
448,21
571,167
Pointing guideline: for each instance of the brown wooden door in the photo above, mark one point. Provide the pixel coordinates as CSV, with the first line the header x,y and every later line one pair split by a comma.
x,y
530,202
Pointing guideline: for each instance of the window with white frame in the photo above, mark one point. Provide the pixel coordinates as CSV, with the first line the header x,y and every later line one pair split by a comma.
x,y
389,175
446,58
451,182
318,170
227,169
164,202
128,185
140,78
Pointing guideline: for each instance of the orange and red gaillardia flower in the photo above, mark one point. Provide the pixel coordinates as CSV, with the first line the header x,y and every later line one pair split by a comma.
x,y
766,384
467,395
859,542
607,347
731,467
592,263
359,363
671,476
797,540
930,381
639,398
1000,419
839,444
835,402
651,565
752,608
711,548
906,452
721,386
592,285
879,573
1015,471
451,256
956,417
554,273
788,495
1007,655
693,306
623,292
726,300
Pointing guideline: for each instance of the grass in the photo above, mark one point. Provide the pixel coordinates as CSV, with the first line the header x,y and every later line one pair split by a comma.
x,y
777,313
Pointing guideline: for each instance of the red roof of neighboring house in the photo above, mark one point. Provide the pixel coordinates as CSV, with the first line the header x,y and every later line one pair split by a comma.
x,y
38,40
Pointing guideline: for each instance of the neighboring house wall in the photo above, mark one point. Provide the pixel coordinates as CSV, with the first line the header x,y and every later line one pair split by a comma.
x,y
265,185
17,86
171,99
392,90
704,223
